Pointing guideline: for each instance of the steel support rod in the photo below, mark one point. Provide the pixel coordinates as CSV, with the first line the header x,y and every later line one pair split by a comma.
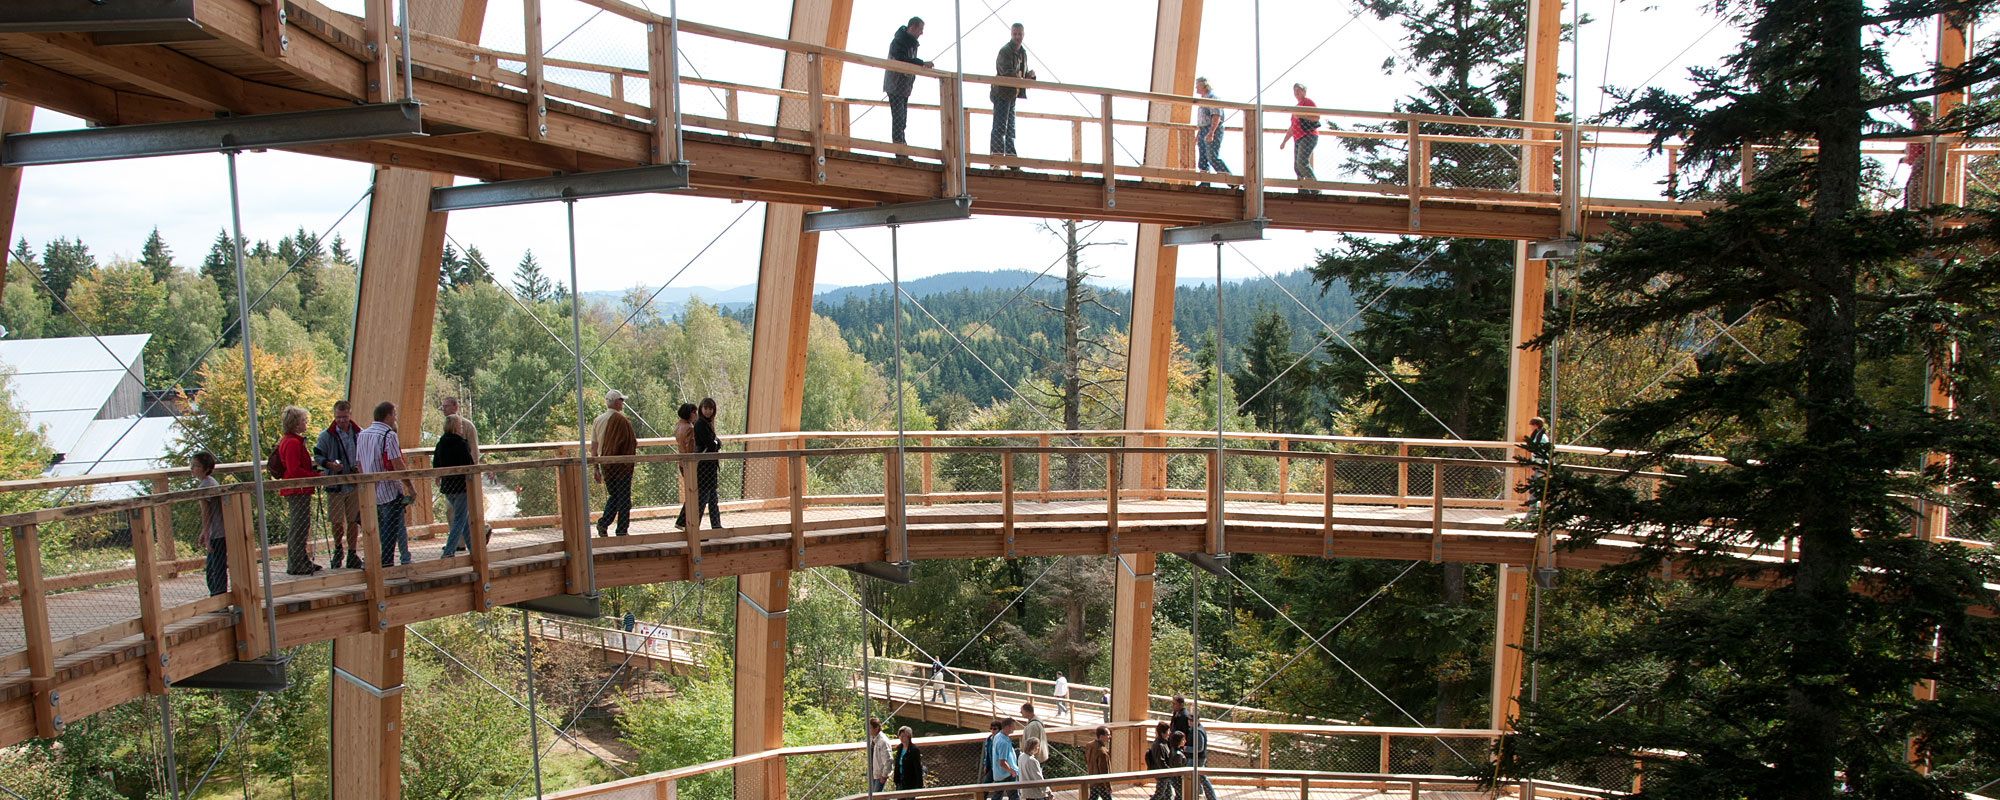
x,y
1194,690
1256,128
409,75
167,739
582,422
868,740
896,325
534,729
1221,470
250,404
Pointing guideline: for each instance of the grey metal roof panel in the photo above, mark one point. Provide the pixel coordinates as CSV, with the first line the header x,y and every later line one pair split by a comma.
x,y
73,354
42,392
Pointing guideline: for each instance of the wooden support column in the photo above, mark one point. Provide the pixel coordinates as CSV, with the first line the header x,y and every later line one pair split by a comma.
x,y
778,336
1524,367
15,117
1131,656
1510,614
395,307
1538,174
368,715
1176,40
760,681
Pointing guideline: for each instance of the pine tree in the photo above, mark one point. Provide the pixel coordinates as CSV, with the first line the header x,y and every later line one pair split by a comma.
x,y
449,267
157,258
476,269
64,262
1800,687
529,282
220,266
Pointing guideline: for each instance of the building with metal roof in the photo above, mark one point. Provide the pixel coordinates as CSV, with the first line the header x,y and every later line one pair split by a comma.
x,y
85,394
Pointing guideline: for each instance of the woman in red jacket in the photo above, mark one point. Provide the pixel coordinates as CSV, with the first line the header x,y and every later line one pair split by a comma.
x,y
294,461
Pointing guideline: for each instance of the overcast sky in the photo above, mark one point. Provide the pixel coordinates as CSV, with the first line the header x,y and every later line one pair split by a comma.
x,y
624,242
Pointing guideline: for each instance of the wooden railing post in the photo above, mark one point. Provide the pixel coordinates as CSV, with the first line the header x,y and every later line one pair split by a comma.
x,y
377,22
729,107
1326,507
538,101
1413,170
423,505
1076,146
371,561
1112,466
1110,146
1403,475
163,529
797,467
575,516
1284,469
239,529
482,564
892,506
145,552
691,507
1007,503
1042,478
1437,513
1253,165
1215,492
816,119
35,628
660,46
926,466
950,125
1383,767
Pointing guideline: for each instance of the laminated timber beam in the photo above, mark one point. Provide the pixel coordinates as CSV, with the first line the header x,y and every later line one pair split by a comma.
x,y
15,117
1176,45
778,337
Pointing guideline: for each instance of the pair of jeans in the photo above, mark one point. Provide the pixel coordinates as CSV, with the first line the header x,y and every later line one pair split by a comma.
x,y
1302,157
1002,143
217,566
899,116
876,784
395,538
1208,153
617,504
461,524
708,492
298,535
1100,792
1167,788
1005,794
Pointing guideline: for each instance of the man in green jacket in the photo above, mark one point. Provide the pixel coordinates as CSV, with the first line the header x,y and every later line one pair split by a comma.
x,y
1012,63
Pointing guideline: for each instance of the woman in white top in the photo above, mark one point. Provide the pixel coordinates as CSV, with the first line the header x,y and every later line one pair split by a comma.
x,y
1031,770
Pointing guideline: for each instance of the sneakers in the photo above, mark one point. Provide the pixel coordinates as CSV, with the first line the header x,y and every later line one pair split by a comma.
x,y
354,561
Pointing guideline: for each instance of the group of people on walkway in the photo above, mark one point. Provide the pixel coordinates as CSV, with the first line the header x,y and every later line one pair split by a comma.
x,y
1012,62
343,447
612,436
1178,742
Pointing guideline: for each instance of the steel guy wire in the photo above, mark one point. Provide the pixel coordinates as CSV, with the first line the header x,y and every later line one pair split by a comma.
x,y
578,716
504,693
629,317
1379,591
1668,372
552,334
238,730
991,13
1058,79
1343,662
189,369
1333,333
961,650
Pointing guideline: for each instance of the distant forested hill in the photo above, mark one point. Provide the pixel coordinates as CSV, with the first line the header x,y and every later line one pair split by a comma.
x,y
1023,338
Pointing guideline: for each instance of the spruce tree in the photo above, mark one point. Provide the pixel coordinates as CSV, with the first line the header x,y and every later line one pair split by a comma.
x,y
1443,307
220,266
64,262
1276,399
156,257
1792,677
476,270
338,250
529,282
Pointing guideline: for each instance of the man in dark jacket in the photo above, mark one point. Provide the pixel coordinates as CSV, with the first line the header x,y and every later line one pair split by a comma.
x,y
334,454
898,84
1011,63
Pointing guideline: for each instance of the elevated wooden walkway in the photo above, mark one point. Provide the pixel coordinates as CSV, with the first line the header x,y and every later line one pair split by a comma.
x,y
74,640
496,115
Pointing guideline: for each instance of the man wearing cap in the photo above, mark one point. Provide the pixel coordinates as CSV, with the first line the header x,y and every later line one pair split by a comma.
x,y
611,435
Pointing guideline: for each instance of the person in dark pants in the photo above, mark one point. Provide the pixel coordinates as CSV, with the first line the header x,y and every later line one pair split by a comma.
x,y
454,451
1306,130
908,769
615,438
1011,63
898,84
201,465
1208,132
705,472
